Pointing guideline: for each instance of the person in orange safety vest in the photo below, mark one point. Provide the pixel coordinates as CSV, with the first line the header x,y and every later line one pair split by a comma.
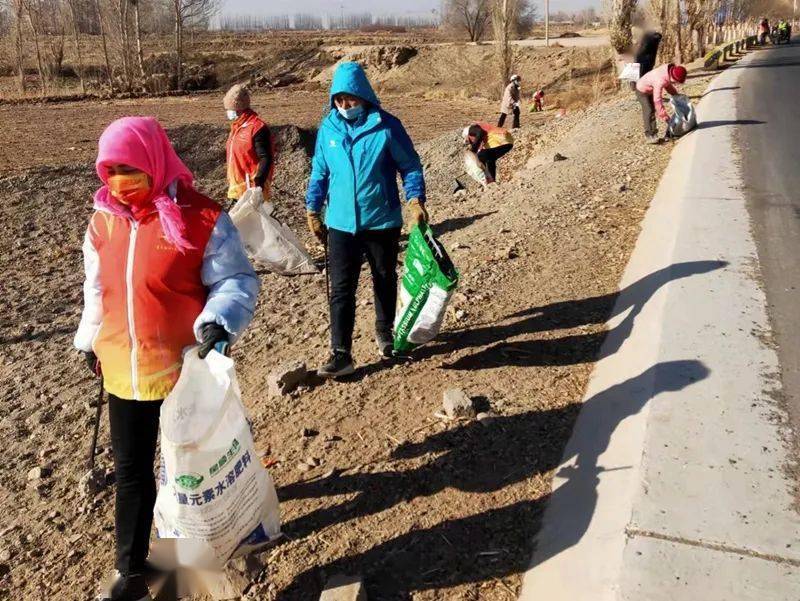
x,y
250,150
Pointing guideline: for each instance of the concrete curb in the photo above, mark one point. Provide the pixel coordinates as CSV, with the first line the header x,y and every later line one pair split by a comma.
x,y
677,394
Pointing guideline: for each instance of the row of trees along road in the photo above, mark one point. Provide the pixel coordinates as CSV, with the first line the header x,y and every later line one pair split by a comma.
x,y
107,35
688,27
114,29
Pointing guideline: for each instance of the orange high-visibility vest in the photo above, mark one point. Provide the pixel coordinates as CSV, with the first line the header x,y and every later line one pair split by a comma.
x,y
241,154
151,295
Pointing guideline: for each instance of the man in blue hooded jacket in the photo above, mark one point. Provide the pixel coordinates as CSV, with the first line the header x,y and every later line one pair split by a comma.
x,y
360,150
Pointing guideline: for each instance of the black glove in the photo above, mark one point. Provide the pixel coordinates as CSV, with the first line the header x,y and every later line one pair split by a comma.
x,y
210,335
91,362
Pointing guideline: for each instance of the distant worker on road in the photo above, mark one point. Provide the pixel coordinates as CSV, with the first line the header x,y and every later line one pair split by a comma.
x,y
359,152
538,101
489,143
249,151
784,31
510,102
763,31
649,90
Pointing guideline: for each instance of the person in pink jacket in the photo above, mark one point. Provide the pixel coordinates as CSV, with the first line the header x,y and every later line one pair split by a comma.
x,y
649,90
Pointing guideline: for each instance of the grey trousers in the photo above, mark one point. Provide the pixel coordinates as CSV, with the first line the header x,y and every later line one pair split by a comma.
x,y
648,113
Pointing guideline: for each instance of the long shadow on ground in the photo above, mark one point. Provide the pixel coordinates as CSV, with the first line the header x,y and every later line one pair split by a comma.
x,y
566,350
478,459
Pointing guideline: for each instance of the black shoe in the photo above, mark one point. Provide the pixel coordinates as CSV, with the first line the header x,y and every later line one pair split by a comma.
x,y
125,588
385,344
340,364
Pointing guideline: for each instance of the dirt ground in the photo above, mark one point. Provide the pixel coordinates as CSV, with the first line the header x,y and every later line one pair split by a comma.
x,y
423,508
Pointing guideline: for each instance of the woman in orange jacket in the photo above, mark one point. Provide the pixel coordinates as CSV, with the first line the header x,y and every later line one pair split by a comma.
x,y
165,269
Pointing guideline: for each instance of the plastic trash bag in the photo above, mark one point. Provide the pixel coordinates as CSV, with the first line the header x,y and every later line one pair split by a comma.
x,y
631,72
684,120
268,240
429,279
214,489
474,168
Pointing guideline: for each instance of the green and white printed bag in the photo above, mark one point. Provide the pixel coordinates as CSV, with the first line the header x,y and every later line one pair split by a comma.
x,y
428,282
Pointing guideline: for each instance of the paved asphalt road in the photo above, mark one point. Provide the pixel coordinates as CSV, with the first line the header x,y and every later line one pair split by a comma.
x,y
770,93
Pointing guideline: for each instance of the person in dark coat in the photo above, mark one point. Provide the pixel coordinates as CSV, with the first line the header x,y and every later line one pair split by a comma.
x,y
647,51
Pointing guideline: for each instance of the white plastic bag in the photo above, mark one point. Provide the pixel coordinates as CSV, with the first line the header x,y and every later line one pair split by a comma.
x,y
684,119
630,72
474,168
268,240
213,489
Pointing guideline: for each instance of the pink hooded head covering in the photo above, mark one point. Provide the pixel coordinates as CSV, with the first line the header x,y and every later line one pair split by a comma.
x,y
142,143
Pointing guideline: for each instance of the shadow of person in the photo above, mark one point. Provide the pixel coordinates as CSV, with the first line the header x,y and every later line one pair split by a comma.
x,y
728,122
499,542
456,223
566,350
473,458
574,501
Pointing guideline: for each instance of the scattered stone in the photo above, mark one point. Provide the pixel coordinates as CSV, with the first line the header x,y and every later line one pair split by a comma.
x,y
456,404
485,418
461,314
559,157
313,462
622,187
308,432
5,555
91,483
342,587
286,377
38,473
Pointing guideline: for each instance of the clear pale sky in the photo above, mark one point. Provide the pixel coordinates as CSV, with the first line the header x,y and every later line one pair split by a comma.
x,y
285,7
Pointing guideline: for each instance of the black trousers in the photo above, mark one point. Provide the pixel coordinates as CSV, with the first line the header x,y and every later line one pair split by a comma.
x,y
490,156
346,254
648,113
501,121
134,432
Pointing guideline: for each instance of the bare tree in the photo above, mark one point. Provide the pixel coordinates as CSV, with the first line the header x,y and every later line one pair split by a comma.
x,y
619,25
138,30
34,14
678,30
472,16
18,13
101,25
122,37
189,12
77,41
503,20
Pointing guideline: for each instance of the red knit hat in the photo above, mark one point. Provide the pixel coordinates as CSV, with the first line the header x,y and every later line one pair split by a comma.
x,y
678,73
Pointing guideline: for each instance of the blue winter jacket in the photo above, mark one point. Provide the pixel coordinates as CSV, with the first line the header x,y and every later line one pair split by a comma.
x,y
356,163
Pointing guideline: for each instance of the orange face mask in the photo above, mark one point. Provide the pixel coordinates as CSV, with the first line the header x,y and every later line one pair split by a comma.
x,y
130,189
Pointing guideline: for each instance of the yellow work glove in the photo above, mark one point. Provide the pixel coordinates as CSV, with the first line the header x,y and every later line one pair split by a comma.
x,y
417,215
316,226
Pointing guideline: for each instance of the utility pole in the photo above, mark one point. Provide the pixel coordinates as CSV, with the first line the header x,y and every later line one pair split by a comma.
x,y
547,22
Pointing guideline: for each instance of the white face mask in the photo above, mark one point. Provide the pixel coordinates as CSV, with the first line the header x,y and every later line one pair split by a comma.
x,y
231,115
352,113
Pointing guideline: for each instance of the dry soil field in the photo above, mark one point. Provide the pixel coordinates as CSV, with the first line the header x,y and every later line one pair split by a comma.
x,y
371,482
